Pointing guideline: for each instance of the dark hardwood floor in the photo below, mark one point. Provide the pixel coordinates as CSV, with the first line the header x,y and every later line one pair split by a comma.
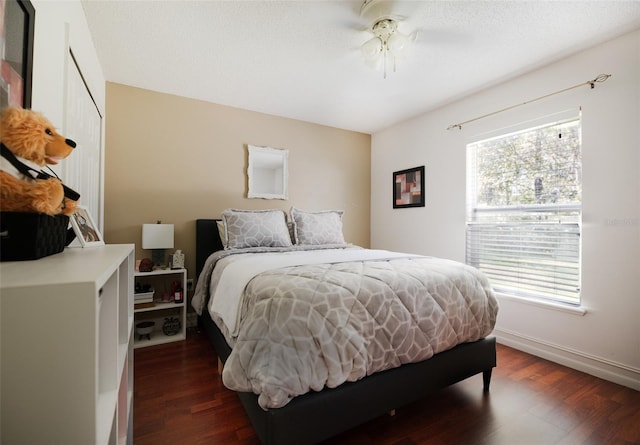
x,y
179,399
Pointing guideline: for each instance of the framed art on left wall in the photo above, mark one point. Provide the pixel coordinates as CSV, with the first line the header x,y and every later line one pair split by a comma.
x,y
17,19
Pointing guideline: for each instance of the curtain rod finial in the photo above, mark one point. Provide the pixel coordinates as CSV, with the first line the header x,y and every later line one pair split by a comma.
x,y
599,79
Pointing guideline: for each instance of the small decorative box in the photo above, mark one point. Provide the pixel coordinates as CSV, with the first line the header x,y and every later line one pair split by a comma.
x,y
30,236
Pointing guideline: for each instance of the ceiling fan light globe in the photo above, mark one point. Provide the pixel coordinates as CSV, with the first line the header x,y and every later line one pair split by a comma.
x,y
371,49
397,43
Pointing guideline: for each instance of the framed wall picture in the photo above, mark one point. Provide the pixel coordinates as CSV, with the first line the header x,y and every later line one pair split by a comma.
x,y
85,229
408,188
17,19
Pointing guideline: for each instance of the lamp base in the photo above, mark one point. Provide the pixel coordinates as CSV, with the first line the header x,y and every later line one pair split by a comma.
x,y
158,257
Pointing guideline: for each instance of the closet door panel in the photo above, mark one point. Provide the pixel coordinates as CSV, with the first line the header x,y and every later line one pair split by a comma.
x,y
82,170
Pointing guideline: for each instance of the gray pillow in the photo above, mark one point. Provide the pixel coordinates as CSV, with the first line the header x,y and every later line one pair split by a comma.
x,y
222,232
255,228
317,228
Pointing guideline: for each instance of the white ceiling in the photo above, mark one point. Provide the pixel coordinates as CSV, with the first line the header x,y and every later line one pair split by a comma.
x,y
301,59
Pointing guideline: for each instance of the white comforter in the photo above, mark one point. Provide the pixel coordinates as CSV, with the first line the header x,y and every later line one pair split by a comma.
x,y
298,324
232,274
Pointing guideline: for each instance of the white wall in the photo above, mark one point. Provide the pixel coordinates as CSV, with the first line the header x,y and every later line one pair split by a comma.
x,y
606,340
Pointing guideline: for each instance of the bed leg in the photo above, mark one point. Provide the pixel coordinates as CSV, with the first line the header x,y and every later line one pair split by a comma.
x,y
486,379
220,367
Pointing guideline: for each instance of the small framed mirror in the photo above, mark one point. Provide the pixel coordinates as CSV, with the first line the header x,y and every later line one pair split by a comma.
x,y
267,173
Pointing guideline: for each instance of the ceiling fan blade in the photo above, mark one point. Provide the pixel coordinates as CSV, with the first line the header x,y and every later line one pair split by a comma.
x,y
358,25
440,36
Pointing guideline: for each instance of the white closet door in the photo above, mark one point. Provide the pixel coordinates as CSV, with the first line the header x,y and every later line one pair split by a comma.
x,y
82,170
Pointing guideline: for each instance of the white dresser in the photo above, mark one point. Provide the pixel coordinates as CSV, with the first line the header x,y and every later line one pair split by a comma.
x,y
66,347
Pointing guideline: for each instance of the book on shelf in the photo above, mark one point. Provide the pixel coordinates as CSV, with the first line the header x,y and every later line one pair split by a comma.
x,y
143,297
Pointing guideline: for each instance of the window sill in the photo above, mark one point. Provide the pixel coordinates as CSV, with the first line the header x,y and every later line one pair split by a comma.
x,y
570,309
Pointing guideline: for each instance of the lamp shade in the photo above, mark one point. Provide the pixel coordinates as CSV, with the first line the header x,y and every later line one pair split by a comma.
x,y
157,236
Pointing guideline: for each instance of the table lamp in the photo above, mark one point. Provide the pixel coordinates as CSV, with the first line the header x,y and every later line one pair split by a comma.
x,y
157,237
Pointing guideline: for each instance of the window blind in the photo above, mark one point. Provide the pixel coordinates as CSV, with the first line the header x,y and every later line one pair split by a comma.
x,y
524,210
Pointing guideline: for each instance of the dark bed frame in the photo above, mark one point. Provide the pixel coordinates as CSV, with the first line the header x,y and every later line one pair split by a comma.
x,y
317,416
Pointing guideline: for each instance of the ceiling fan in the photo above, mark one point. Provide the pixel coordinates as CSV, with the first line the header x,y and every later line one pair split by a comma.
x,y
387,44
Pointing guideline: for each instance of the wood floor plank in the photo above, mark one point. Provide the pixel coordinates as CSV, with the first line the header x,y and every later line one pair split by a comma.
x,y
179,398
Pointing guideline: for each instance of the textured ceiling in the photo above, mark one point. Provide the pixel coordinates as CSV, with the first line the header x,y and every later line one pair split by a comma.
x,y
301,59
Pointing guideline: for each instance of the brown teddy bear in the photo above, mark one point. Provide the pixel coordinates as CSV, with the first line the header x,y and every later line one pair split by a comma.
x,y
29,142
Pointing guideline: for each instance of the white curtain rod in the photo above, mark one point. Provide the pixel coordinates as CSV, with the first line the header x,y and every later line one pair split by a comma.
x,y
599,79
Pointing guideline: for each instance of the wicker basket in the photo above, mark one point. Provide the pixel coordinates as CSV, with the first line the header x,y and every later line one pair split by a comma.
x,y
29,236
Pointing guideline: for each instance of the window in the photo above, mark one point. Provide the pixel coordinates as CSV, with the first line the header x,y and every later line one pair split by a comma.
x,y
524,210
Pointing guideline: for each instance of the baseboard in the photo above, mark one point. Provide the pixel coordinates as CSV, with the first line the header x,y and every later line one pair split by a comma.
x,y
596,366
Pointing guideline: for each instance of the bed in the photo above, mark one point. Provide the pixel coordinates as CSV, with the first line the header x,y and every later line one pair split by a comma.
x,y
317,414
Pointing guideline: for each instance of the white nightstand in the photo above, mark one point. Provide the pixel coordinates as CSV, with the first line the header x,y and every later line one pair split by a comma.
x,y
161,280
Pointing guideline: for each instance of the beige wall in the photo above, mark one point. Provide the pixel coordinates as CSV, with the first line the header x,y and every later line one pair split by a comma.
x,y
176,160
